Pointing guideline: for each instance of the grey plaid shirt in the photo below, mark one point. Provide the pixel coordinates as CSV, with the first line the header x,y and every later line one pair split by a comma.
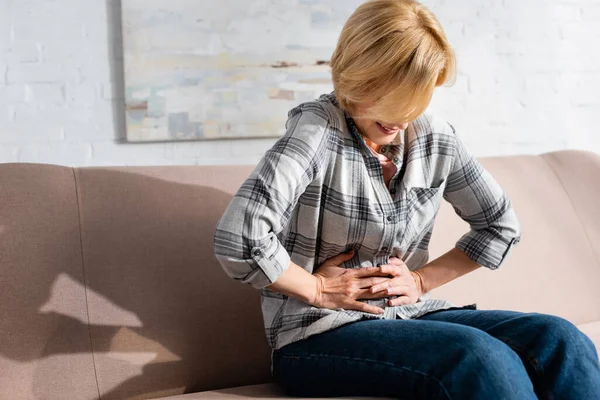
x,y
319,191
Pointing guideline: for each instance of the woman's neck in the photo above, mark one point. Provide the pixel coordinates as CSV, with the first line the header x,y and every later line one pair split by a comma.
x,y
372,145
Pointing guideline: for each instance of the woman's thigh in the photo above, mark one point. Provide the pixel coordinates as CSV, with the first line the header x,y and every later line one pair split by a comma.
x,y
409,359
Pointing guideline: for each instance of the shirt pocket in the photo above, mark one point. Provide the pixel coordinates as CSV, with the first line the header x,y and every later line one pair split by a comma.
x,y
422,205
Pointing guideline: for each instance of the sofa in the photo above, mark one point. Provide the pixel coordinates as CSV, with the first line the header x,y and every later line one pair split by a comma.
x,y
109,287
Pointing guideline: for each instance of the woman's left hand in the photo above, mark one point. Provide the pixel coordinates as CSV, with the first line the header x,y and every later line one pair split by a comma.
x,y
403,282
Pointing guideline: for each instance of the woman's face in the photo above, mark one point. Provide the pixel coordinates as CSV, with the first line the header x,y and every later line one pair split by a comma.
x,y
379,132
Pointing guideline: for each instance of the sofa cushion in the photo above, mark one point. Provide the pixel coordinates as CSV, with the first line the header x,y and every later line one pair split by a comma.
x,y
265,391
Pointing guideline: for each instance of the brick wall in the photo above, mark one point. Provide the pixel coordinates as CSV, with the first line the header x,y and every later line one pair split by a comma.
x,y
529,77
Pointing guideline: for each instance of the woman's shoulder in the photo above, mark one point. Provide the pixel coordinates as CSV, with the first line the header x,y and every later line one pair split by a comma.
x,y
311,127
434,124
323,111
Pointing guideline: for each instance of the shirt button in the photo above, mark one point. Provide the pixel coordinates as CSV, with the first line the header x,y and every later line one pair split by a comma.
x,y
257,252
384,149
390,218
393,191
396,160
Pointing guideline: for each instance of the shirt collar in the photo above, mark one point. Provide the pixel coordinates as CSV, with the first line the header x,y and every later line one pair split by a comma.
x,y
397,142
352,124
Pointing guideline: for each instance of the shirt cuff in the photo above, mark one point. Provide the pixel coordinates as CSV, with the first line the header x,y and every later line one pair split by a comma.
x,y
486,248
272,263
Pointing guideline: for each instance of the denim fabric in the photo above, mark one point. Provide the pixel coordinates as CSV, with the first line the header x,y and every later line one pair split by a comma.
x,y
446,354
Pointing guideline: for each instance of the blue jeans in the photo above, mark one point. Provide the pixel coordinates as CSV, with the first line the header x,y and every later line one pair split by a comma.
x,y
447,354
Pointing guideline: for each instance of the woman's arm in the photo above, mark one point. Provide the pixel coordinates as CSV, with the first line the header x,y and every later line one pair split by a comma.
x,y
444,269
246,241
296,282
480,201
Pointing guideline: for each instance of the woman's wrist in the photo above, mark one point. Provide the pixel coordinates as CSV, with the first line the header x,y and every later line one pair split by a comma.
x,y
318,289
298,283
419,281
444,269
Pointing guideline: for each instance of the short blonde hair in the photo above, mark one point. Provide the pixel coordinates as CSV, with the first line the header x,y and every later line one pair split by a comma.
x,y
391,54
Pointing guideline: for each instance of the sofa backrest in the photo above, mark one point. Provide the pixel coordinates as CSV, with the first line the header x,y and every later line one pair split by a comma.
x,y
109,286
45,349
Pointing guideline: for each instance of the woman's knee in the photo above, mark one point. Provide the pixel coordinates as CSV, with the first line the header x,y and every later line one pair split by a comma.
x,y
500,371
561,333
483,351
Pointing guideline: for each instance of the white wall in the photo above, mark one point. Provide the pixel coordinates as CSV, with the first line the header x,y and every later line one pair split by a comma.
x,y
529,82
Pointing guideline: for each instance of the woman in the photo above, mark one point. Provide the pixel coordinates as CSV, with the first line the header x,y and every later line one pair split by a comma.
x,y
334,223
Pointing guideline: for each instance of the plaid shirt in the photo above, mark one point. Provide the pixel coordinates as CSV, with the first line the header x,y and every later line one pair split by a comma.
x,y
319,191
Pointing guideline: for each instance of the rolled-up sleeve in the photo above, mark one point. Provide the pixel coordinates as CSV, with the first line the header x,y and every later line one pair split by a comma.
x,y
245,241
480,201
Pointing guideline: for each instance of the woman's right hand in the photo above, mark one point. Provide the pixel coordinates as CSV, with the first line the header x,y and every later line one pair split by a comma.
x,y
339,287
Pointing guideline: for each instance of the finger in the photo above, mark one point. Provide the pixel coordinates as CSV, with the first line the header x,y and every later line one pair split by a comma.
x,y
397,290
389,283
370,281
359,305
366,294
396,261
392,269
340,258
402,300
367,271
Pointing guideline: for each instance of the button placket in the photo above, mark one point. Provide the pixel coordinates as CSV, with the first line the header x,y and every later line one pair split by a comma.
x,y
390,232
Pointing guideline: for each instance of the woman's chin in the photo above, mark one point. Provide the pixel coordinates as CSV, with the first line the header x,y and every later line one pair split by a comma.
x,y
383,139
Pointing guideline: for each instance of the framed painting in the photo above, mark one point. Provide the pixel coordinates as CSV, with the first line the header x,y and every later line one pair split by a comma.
x,y
217,69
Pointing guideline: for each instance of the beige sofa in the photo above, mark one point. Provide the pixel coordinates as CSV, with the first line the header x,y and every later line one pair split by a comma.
x,y
109,288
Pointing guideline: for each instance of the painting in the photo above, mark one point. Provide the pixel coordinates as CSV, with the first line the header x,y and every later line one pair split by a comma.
x,y
217,69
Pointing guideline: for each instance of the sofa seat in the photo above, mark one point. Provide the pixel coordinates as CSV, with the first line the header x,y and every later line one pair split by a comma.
x,y
265,391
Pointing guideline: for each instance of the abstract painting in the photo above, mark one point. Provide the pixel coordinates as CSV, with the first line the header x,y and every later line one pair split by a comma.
x,y
215,69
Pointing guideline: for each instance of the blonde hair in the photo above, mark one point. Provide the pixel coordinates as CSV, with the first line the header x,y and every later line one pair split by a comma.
x,y
391,54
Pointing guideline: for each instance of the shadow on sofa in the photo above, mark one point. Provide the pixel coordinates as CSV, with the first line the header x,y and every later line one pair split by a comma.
x,y
163,316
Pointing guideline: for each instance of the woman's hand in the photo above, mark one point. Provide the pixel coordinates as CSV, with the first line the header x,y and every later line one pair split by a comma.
x,y
404,282
339,287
